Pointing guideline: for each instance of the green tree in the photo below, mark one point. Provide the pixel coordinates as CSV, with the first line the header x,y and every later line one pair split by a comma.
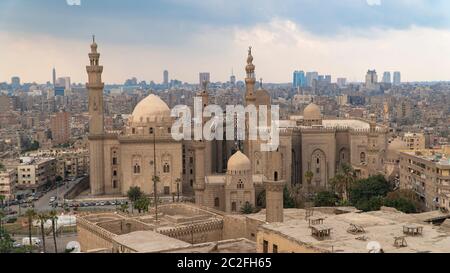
x,y
124,208
134,193
365,189
403,200
6,243
288,201
2,200
53,215
373,204
2,167
247,208
142,204
326,199
309,175
43,217
31,215
2,215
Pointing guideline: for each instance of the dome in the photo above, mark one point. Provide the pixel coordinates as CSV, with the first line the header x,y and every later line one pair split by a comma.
x,y
239,162
312,112
152,107
394,147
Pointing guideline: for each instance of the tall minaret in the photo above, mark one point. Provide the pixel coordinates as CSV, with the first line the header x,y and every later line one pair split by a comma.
x,y
250,80
96,130
95,89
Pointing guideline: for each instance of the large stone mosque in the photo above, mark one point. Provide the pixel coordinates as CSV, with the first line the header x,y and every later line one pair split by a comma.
x,y
221,174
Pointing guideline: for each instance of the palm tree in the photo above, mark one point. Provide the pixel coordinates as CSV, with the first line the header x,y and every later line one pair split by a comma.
x,y
54,217
309,175
343,181
43,217
31,215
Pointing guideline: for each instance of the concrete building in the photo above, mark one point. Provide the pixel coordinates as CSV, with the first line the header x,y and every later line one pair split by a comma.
x,y
415,141
204,77
371,79
35,173
427,173
387,77
397,78
8,181
60,127
166,77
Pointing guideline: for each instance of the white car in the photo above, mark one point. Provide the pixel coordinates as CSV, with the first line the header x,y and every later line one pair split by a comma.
x,y
34,241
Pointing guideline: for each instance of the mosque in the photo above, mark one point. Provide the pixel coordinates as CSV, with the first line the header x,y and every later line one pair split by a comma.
x,y
218,173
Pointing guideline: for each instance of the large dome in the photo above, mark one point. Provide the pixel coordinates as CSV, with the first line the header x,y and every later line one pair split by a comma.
x,y
150,109
239,162
312,112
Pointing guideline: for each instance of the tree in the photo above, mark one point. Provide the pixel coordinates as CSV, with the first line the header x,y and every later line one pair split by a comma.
x,y
247,208
309,175
58,179
6,243
134,193
373,204
142,204
2,215
365,189
124,208
2,167
43,217
403,200
326,199
31,215
2,200
288,201
54,218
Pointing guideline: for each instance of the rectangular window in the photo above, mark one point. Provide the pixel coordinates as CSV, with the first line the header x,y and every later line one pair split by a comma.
x,y
265,247
275,249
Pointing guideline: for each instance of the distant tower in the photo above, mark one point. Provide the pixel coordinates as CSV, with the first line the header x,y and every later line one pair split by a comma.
x,y
96,128
274,201
373,147
250,80
166,78
397,78
54,77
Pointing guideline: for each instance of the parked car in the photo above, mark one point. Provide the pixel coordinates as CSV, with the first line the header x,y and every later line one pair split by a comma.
x,y
34,241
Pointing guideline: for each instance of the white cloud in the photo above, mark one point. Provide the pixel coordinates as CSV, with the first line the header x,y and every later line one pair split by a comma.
x,y
373,2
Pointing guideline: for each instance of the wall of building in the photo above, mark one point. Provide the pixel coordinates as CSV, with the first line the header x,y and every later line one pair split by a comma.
x,y
284,244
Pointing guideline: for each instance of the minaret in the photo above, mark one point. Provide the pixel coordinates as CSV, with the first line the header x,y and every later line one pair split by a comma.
x,y
250,80
96,130
373,147
95,90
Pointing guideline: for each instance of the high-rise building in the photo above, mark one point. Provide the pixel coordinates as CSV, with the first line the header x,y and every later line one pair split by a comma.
x,y
166,77
60,127
327,79
299,79
397,78
387,77
15,83
64,82
54,77
204,77
341,82
310,77
371,78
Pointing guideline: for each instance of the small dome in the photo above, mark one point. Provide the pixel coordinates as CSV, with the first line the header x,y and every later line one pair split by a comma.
x,y
150,108
239,162
394,147
312,112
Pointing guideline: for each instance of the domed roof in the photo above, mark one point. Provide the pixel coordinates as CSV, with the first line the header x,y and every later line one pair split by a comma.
x,y
394,147
150,108
312,112
239,162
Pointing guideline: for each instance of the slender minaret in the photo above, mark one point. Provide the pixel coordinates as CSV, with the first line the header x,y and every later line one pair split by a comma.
x,y
250,80
96,130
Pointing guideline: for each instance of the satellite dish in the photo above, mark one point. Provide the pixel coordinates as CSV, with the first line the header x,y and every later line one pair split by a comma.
x,y
75,246
374,247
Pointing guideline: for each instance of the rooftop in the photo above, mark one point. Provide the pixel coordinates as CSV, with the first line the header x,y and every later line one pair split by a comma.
x,y
380,226
149,241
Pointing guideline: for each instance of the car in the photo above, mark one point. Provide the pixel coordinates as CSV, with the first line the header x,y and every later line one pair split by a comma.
x,y
102,204
34,241
107,203
113,203
17,245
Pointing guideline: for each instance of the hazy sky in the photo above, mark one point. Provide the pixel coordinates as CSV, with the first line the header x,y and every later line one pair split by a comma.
x,y
142,38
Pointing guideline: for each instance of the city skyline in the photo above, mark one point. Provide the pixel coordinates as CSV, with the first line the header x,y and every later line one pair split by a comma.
x,y
375,34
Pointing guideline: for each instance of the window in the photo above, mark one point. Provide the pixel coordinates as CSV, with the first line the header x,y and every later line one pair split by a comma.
x,y
133,131
137,169
191,182
114,161
233,207
362,157
169,130
265,246
240,184
114,184
275,249
166,168
217,202
275,176
114,173
150,131
166,190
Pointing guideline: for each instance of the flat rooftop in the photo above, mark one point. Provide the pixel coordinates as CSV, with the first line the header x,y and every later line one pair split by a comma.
x,y
380,226
149,241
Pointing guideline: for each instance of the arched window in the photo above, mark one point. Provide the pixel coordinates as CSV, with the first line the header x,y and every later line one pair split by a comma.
x,y
275,176
362,157
217,202
166,168
137,169
150,131
240,184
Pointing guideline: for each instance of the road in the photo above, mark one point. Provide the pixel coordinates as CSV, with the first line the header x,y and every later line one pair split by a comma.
x,y
61,242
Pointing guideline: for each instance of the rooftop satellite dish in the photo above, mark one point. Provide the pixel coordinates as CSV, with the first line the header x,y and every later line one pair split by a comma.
x,y
75,246
374,247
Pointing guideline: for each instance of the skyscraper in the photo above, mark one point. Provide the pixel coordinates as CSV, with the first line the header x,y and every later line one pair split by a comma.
x,y
15,83
166,77
387,77
204,77
397,78
54,77
233,78
299,79
371,78
310,77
